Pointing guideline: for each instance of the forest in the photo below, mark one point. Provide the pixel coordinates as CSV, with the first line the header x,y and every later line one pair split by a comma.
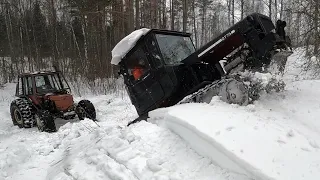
x,y
79,35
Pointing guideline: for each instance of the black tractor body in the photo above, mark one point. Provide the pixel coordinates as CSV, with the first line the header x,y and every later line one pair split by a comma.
x,y
172,68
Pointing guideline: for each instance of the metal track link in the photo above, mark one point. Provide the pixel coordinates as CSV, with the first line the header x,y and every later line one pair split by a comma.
x,y
229,89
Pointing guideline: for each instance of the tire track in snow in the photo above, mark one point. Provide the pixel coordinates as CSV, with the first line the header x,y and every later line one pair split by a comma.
x,y
103,161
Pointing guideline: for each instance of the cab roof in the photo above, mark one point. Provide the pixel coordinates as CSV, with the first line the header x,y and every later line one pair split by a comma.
x,y
130,41
38,73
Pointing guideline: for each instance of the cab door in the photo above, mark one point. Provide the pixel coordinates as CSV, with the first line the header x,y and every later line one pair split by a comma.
x,y
144,90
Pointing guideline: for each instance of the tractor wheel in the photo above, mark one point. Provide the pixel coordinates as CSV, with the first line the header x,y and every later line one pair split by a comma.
x,y
85,109
21,113
45,122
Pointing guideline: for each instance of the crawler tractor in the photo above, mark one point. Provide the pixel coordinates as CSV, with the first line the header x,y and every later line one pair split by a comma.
x,y
163,68
44,96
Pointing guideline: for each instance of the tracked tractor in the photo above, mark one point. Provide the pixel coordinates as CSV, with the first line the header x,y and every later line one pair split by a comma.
x,y
162,68
42,97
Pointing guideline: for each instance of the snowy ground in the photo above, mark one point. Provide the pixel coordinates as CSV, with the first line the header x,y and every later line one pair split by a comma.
x,y
83,150
278,137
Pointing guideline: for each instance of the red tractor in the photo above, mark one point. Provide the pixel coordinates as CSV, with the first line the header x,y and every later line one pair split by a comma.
x,y
44,96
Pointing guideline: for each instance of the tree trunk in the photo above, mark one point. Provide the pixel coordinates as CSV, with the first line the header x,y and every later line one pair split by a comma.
x,y
316,25
76,43
232,11
185,14
10,38
281,9
242,8
203,22
154,14
164,15
270,8
137,14
172,14
54,33
194,23
229,12
275,10
130,16
4,71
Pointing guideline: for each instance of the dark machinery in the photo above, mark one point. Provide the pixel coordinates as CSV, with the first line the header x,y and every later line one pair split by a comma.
x,y
164,68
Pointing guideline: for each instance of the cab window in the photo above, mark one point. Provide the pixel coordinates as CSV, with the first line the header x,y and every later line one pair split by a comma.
x,y
46,84
137,64
174,48
154,51
29,86
20,87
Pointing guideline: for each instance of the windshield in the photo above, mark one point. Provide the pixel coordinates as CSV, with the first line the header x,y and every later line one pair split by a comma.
x,y
49,83
174,48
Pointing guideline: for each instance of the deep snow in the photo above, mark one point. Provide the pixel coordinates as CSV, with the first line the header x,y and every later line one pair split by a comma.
x,y
84,150
277,137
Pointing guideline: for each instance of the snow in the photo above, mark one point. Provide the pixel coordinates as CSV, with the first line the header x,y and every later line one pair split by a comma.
x,y
268,140
126,44
277,137
107,150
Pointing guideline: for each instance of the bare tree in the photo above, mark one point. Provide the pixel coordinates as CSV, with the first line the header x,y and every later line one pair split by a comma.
x,y
185,13
137,17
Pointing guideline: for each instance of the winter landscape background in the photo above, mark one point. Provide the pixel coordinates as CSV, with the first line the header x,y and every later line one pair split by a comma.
x,y
78,36
277,137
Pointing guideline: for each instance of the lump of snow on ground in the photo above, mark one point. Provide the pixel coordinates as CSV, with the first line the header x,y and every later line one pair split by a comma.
x,y
125,45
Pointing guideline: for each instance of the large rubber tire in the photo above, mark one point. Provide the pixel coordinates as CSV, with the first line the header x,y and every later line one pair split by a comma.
x,y
21,113
85,109
45,122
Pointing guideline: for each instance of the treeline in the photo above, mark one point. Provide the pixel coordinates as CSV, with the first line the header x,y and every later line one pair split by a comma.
x,y
78,35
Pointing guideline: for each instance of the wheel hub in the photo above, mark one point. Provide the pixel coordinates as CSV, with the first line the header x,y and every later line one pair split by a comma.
x,y
81,111
17,116
234,92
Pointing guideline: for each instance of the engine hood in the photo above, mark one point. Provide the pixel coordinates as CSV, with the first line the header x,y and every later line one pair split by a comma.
x,y
63,102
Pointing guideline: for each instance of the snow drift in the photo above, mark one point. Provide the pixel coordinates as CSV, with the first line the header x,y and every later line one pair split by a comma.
x,y
277,137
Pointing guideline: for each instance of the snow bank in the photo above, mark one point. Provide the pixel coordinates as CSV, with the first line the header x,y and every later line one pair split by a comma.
x,y
276,138
125,45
